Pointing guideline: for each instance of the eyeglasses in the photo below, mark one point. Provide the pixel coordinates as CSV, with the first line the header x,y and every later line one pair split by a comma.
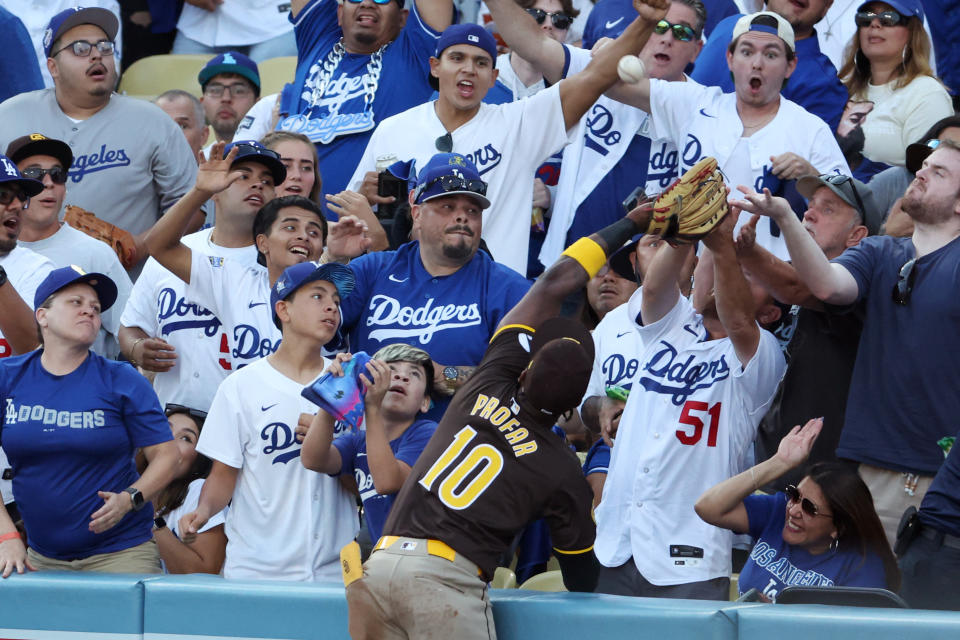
x,y
444,143
57,174
238,90
454,183
887,18
560,20
838,180
7,194
196,414
82,48
681,32
904,285
793,495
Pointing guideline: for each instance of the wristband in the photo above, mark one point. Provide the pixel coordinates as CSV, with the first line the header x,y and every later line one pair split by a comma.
x,y
10,536
588,255
616,234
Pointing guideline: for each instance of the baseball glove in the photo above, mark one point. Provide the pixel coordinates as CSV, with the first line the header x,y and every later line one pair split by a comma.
x,y
119,239
692,206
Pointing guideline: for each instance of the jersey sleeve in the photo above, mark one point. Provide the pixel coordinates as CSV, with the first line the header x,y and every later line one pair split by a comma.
x,y
542,124
508,353
758,380
671,325
760,508
141,308
414,441
569,515
348,445
598,459
418,36
671,105
142,415
221,438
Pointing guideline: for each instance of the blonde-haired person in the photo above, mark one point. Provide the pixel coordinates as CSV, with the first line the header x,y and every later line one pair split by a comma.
x,y
887,64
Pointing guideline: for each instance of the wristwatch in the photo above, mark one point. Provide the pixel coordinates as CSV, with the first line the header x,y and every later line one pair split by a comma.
x,y
136,498
450,374
159,522
3,276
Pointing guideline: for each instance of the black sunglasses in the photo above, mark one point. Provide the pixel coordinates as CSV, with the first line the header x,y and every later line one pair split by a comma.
x,y
444,143
196,414
82,48
904,285
454,183
838,180
57,174
681,32
793,494
560,20
887,18
7,194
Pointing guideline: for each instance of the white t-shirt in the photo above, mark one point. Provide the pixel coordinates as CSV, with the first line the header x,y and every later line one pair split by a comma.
x,y
190,503
236,22
158,304
69,246
689,424
507,143
285,521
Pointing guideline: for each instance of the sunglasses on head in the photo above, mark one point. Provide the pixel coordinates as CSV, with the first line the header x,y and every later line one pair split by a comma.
x,y
82,48
7,194
837,180
454,183
887,18
196,414
560,20
681,32
904,284
793,494
57,174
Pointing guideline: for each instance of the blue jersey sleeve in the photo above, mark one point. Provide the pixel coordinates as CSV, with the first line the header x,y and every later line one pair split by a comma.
x,y
414,440
142,415
759,511
315,29
366,270
598,459
348,445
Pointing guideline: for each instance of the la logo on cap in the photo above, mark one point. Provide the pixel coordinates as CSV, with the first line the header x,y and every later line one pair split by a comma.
x,y
457,160
473,38
8,167
229,59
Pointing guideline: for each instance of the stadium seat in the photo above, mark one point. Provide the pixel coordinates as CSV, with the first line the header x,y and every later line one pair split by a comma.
x,y
546,581
276,72
503,578
843,596
149,77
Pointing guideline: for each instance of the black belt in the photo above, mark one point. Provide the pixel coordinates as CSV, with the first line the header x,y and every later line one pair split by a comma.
x,y
937,536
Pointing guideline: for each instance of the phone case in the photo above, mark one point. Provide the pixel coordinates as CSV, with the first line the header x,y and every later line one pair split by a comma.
x,y
341,396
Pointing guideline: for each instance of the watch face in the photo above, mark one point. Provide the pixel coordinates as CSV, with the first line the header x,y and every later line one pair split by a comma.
x,y
450,373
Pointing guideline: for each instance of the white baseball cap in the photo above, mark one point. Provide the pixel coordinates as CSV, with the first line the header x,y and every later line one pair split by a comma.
x,y
766,22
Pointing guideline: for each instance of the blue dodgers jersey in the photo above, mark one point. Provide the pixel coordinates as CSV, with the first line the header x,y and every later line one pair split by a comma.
x,y
337,124
68,437
450,317
814,84
609,18
598,458
353,453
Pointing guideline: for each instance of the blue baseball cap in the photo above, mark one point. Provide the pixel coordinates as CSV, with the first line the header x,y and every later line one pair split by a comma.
x,y
253,151
75,16
295,276
619,261
449,174
10,173
472,34
231,62
65,276
903,7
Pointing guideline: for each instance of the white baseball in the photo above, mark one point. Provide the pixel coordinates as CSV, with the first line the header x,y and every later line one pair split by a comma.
x,y
631,69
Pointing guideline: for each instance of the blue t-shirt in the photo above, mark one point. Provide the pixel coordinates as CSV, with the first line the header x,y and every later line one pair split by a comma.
x,y
598,458
353,453
450,317
903,396
68,437
403,84
609,18
18,66
944,22
774,565
814,84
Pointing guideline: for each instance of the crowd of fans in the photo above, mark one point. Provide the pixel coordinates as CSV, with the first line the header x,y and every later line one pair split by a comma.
x,y
780,388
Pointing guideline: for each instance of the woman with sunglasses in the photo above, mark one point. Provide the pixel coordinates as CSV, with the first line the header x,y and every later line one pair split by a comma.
x,y
822,532
888,64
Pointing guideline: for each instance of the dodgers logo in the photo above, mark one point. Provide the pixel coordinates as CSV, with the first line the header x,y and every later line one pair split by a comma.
x,y
322,128
248,345
485,158
8,167
171,305
616,368
665,374
692,150
663,165
99,161
280,438
10,416
364,484
423,322
599,130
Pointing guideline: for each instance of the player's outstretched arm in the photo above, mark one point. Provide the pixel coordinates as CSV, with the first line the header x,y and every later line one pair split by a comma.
x,y
525,37
163,240
829,282
776,276
578,263
579,92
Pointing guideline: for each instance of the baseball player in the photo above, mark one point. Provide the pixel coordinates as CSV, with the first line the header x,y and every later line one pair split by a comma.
x,y
752,132
41,231
706,377
131,162
285,522
231,84
492,466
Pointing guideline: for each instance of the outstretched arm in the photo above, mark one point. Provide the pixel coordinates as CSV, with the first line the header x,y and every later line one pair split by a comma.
x,y
438,14
527,39
660,284
776,276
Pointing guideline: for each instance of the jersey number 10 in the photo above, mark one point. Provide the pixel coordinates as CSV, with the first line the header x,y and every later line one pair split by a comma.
x,y
693,437
483,462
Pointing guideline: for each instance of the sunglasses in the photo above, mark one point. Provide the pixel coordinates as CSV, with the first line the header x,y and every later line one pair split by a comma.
x,y
82,48
560,20
444,143
887,18
196,414
838,180
793,494
904,285
57,174
7,194
681,32
454,183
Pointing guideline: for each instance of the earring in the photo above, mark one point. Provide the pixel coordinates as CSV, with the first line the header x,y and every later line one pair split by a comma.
x,y
903,57
835,544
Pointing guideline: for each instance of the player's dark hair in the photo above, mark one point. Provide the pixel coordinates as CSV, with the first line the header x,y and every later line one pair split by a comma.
x,y
858,526
268,214
271,140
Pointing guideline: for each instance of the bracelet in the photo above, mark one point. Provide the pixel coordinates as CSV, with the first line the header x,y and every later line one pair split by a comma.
x,y
133,359
588,254
13,535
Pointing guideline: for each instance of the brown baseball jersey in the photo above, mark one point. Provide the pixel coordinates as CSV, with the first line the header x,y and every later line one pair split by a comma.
x,y
493,466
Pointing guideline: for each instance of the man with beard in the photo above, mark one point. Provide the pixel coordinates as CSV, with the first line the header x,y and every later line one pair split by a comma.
x,y
131,162
437,293
231,84
900,401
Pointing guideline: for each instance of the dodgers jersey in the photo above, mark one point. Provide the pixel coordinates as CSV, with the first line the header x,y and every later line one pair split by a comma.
x,y
285,522
703,121
338,124
689,424
158,304
506,142
618,347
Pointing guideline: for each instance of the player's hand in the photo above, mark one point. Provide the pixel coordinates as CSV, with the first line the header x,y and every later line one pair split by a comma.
x,y
214,175
747,236
641,214
190,524
336,365
376,381
651,10
609,415
115,507
347,238
303,426
349,203
790,166
764,204
796,445
13,557
541,195
155,354
369,188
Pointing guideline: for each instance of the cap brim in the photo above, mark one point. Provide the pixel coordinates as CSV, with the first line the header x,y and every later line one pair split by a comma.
x,y
808,185
620,260
47,147
484,202
562,328
30,186
103,18
105,287
276,167
335,273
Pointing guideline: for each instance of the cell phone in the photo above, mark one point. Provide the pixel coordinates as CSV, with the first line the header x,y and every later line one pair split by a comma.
x,y
341,396
632,200
617,392
390,185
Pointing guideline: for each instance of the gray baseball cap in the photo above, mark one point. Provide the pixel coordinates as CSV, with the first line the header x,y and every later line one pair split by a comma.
x,y
855,193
